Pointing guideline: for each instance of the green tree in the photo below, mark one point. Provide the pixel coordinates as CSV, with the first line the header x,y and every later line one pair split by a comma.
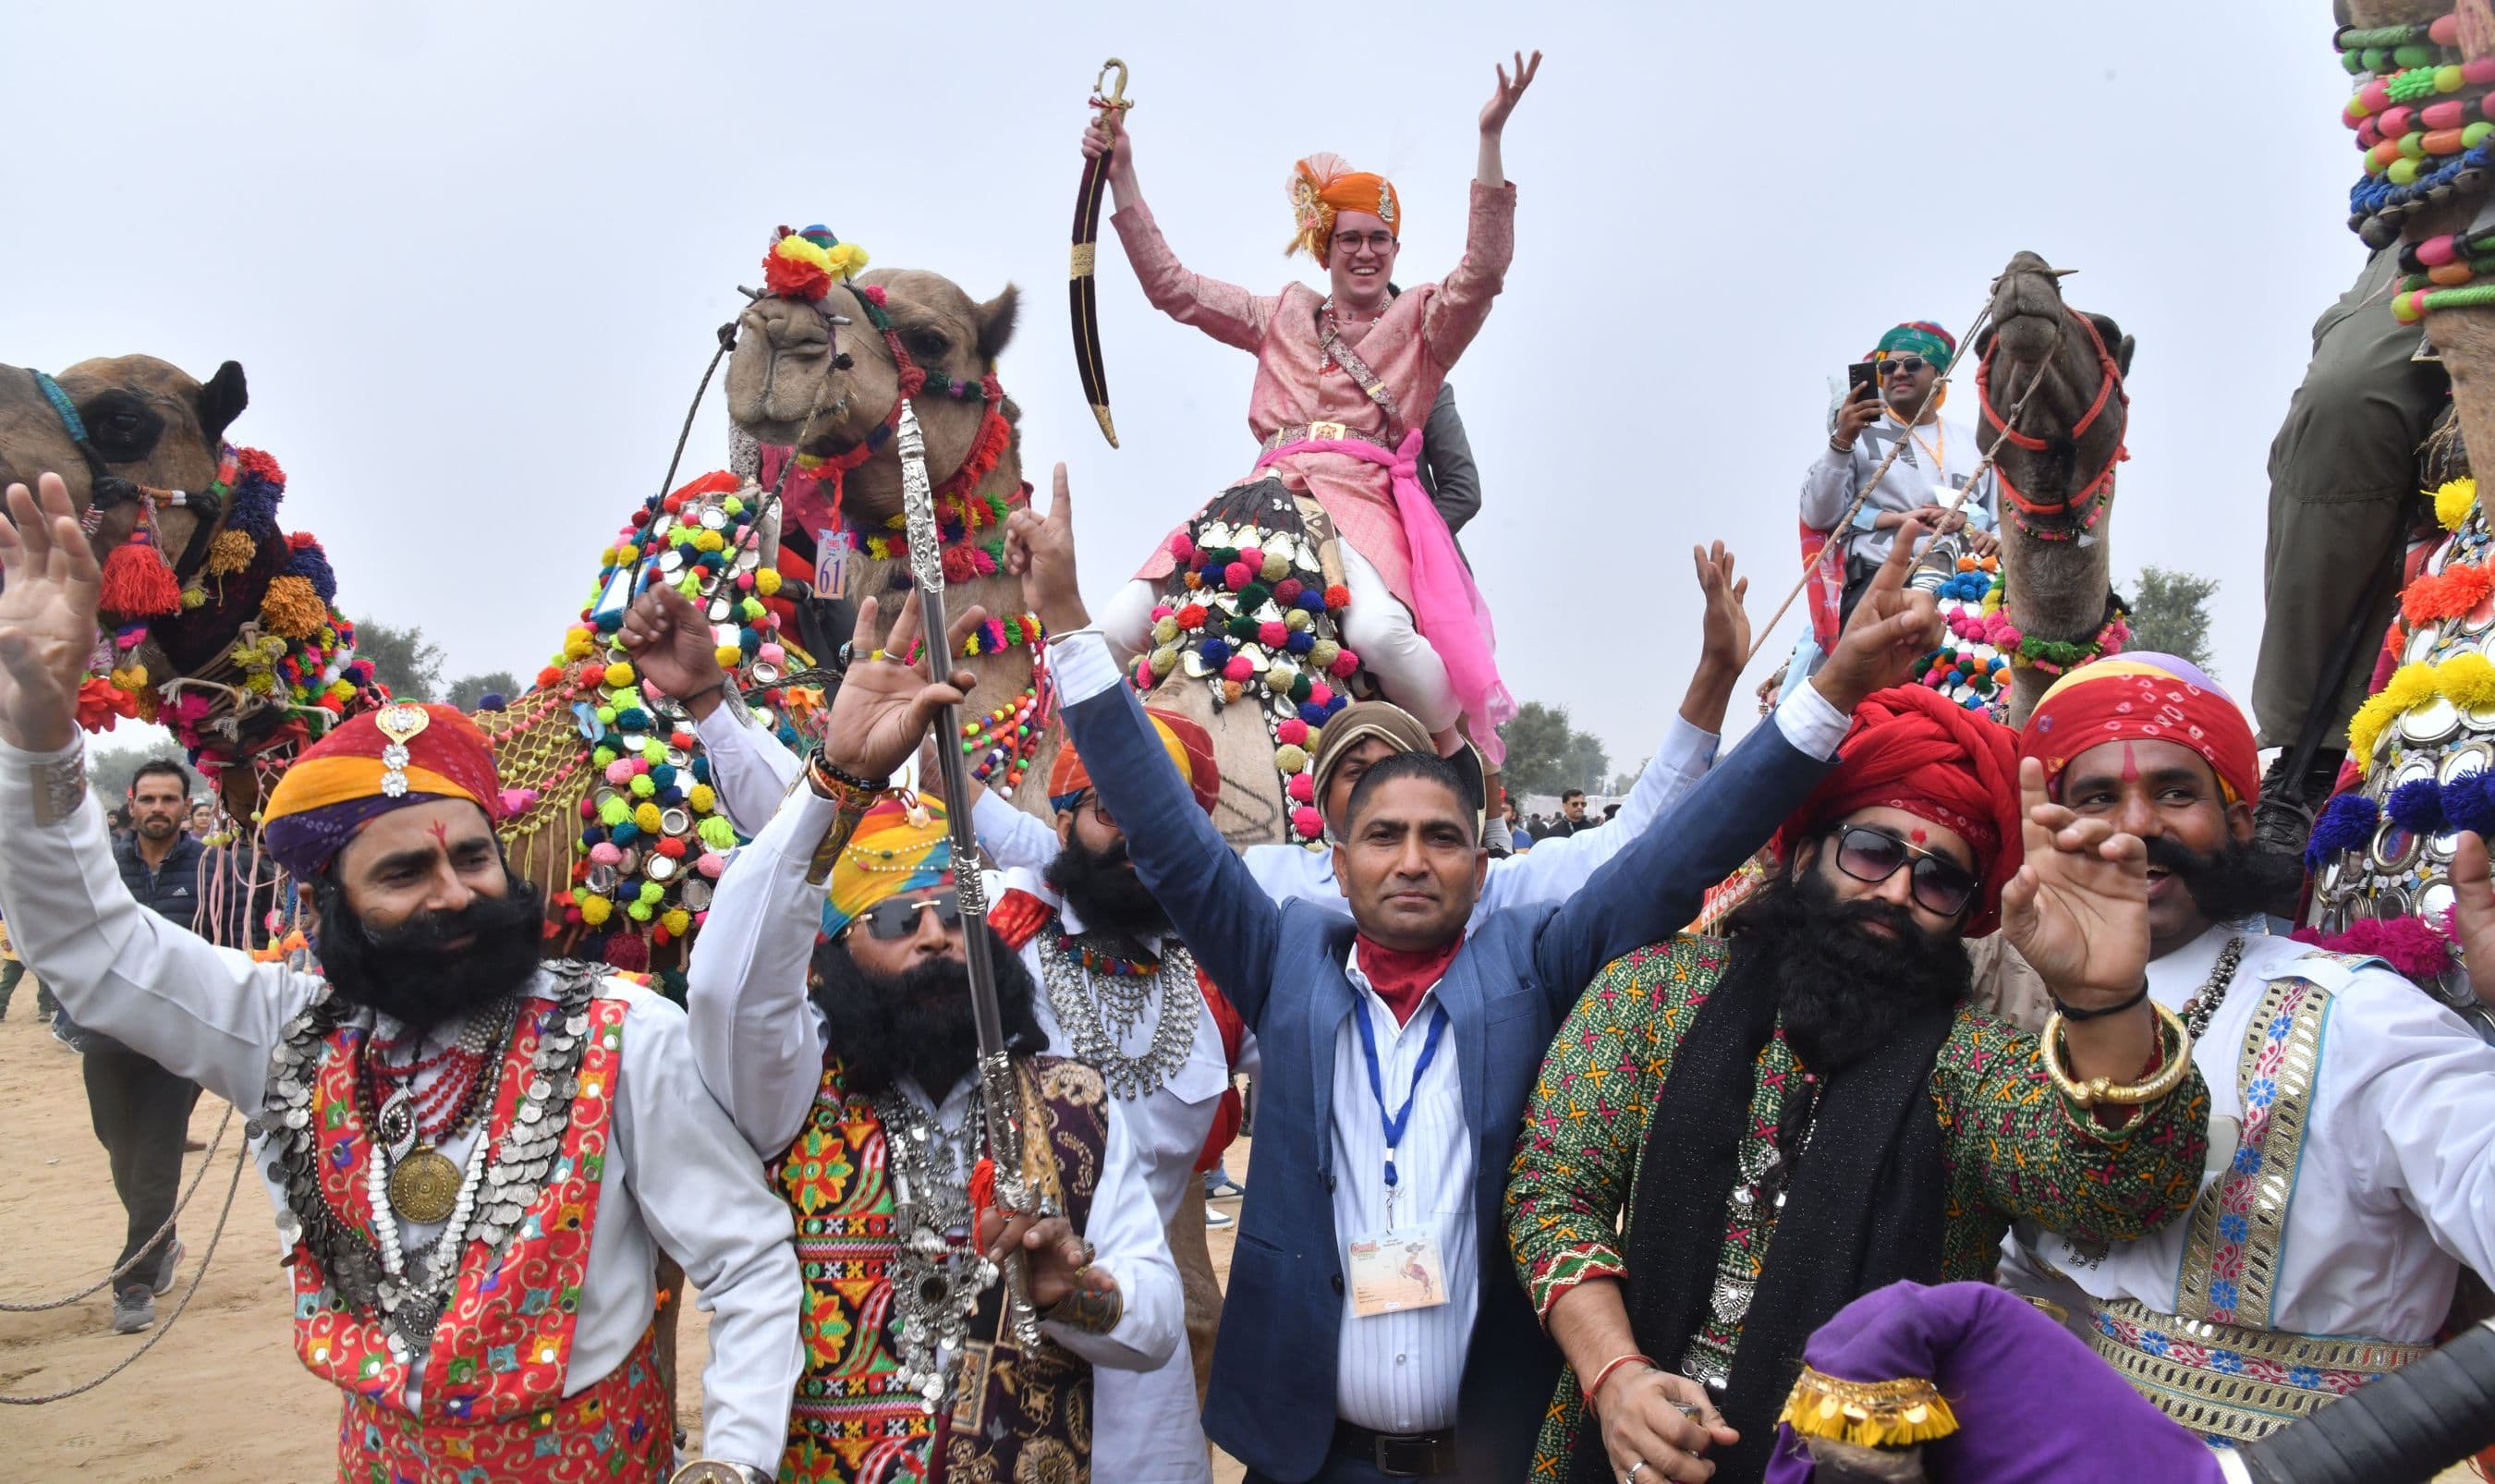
x,y
2172,615
1544,755
466,690
402,659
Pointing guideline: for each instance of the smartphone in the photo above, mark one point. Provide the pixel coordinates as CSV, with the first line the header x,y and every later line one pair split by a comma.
x,y
1861,379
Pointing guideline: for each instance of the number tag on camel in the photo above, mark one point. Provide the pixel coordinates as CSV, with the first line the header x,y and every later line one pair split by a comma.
x,y
1395,1271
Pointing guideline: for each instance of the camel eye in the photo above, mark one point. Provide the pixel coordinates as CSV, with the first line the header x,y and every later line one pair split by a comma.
x,y
927,345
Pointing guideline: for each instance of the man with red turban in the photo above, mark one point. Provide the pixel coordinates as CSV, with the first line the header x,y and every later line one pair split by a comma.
x,y
1734,1137
2360,1111
477,1158
1345,383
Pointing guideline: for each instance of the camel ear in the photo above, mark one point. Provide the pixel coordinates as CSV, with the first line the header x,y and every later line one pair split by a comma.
x,y
2117,343
996,322
222,400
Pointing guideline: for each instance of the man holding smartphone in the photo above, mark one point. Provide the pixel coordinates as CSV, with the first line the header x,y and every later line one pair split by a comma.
x,y
1894,397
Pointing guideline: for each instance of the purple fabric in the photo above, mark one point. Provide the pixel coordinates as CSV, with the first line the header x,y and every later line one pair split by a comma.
x,y
2034,1404
308,840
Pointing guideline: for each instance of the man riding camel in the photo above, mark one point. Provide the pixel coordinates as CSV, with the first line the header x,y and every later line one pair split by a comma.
x,y
1344,383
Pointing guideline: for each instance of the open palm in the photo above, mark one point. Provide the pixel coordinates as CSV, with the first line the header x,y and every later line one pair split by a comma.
x,y
1511,88
2077,910
885,706
48,585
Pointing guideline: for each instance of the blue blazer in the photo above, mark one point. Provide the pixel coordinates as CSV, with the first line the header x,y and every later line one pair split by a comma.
x,y
1272,1404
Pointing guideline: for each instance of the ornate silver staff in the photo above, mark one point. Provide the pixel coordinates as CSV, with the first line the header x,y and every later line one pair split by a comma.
x,y
996,1070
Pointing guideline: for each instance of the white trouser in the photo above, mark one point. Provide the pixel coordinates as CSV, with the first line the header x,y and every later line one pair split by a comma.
x,y
1375,626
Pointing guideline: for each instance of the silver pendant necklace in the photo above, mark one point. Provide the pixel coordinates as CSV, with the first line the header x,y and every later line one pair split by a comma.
x,y
1095,1010
937,1270
2203,1006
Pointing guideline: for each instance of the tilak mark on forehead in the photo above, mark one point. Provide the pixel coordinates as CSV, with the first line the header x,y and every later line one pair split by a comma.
x,y
441,835
2130,765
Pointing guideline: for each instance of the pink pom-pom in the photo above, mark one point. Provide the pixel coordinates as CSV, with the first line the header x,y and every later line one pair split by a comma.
x,y
1251,558
1162,610
1302,788
770,653
1319,695
517,801
1292,733
588,810
1307,822
711,864
1346,665
640,766
619,772
1180,548
1239,668
1270,634
2010,636
604,853
1237,574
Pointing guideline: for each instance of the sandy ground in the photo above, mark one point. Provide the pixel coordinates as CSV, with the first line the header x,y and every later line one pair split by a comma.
x,y
221,1400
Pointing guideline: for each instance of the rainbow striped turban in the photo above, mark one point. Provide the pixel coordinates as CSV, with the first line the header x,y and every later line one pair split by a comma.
x,y
406,753
900,846
1918,337
2145,697
1190,752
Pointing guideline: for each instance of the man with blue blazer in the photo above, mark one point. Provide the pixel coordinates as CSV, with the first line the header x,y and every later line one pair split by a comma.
x,y
1373,1328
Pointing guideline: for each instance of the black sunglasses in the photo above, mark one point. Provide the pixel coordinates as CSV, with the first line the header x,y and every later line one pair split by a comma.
x,y
898,917
1902,365
1940,885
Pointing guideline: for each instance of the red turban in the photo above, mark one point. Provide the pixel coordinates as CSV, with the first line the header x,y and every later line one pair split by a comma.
x,y
1190,752
2143,698
406,753
1958,769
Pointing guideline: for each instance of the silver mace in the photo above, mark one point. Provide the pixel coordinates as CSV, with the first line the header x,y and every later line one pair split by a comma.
x,y
995,1071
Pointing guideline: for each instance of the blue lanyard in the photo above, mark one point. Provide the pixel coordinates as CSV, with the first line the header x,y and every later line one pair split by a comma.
x,y
1396,1122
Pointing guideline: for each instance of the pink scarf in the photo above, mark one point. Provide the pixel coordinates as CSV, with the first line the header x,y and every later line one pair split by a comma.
x,y
1447,609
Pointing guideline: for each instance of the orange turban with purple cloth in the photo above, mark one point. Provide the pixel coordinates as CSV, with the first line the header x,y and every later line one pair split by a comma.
x,y
1190,752
1910,749
2140,697
406,753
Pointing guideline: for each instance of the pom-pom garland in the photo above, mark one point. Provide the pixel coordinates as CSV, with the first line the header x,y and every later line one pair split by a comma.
x,y
2346,823
2420,950
2453,500
2467,680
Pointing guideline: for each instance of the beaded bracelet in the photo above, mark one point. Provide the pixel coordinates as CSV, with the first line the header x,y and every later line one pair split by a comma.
x,y
1605,1374
2101,1090
833,783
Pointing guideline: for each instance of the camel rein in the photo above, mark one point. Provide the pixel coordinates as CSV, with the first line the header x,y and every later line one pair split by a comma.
x,y
2108,386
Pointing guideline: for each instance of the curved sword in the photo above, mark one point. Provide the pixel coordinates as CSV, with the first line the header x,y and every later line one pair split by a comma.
x,y
1080,290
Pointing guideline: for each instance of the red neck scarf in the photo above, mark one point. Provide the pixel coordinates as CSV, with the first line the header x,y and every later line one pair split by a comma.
x,y
1402,978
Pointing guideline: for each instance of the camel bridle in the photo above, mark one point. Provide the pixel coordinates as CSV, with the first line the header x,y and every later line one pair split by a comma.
x,y
2108,388
107,490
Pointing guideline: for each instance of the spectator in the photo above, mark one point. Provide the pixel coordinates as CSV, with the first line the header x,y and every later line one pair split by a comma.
x,y
1609,812
204,818
1572,816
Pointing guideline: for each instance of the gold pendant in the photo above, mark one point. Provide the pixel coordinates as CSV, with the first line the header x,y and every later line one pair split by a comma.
x,y
424,1186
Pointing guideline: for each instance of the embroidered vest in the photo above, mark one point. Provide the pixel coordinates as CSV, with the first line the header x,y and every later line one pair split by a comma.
x,y
2216,1365
1016,1416
503,1346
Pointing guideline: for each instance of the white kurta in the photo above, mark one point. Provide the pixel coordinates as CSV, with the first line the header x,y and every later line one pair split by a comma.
x,y
2396,1187
759,1042
677,1177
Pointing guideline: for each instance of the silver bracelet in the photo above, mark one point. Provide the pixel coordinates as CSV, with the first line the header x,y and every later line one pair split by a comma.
x,y
60,786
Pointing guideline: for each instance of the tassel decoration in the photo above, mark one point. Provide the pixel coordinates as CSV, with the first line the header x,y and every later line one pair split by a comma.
x,y
1869,1414
137,582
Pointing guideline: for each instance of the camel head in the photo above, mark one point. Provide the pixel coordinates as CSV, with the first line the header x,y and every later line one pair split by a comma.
x,y
822,359
149,424
2063,370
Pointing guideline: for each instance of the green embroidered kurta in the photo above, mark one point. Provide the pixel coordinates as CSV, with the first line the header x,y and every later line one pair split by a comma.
x,y
2013,1146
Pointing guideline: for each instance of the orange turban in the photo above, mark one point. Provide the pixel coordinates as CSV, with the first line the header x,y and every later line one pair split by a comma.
x,y
1909,749
406,753
1190,752
1322,185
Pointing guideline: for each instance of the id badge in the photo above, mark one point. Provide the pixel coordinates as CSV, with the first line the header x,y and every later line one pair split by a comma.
x,y
832,563
1395,1271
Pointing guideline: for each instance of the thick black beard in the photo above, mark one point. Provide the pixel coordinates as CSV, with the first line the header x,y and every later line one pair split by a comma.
x,y
404,971
1108,897
918,1024
1841,991
2237,881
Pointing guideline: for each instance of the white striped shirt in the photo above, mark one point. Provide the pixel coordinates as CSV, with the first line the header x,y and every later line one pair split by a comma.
x,y
1398,1373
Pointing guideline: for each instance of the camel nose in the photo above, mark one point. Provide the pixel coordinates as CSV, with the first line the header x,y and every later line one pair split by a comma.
x,y
790,328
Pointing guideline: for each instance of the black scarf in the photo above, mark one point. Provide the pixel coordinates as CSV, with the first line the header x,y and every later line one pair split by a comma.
x,y
1864,1208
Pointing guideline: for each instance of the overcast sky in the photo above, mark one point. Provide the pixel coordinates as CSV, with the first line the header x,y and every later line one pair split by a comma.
x,y
471,256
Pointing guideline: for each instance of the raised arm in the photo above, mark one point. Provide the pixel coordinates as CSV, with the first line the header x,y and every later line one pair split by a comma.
x,y
1462,300
1226,312
671,646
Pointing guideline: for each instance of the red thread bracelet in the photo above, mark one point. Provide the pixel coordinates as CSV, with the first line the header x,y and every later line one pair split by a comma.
x,y
1605,1374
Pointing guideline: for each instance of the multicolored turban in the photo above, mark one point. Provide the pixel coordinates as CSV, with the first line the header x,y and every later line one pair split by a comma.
x,y
1190,752
1918,337
902,844
1958,769
406,753
1322,185
2141,697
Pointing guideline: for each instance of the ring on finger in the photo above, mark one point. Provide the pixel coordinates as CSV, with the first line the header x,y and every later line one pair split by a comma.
x,y
1630,1477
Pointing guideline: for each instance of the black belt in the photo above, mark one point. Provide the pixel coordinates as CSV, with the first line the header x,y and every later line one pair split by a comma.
x,y
1398,1455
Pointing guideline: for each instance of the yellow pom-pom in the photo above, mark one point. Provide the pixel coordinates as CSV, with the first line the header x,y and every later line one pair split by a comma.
x,y
2365,727
642,787
619,674
2468,681
1278,678
576,644
627,555
675,920
2453,501
230,552
133,680
294,609
731,656
710,541
1290,758
766,582
646,816
595,911
703,798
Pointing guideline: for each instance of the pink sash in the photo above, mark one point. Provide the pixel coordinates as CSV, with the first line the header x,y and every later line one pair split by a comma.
x,y
1447,609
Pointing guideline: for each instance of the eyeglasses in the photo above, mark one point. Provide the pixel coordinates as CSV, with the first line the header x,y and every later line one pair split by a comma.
x,y
1379,242
1940,885
1902,365
896,918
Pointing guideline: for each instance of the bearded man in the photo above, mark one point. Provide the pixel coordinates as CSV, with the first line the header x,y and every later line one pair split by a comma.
x,y
2352,1147
477,1158
848,1057
1734,1137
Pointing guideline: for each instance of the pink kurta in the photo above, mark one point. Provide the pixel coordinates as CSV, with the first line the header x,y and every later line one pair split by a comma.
x,y
1409,346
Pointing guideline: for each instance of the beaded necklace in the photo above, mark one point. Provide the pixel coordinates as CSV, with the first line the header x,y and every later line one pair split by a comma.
x,y
1096,962
2212,993
1097,1013
1002,742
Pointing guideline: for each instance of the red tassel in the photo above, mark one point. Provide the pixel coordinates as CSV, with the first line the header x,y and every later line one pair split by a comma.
x,y
137,582
983,1190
